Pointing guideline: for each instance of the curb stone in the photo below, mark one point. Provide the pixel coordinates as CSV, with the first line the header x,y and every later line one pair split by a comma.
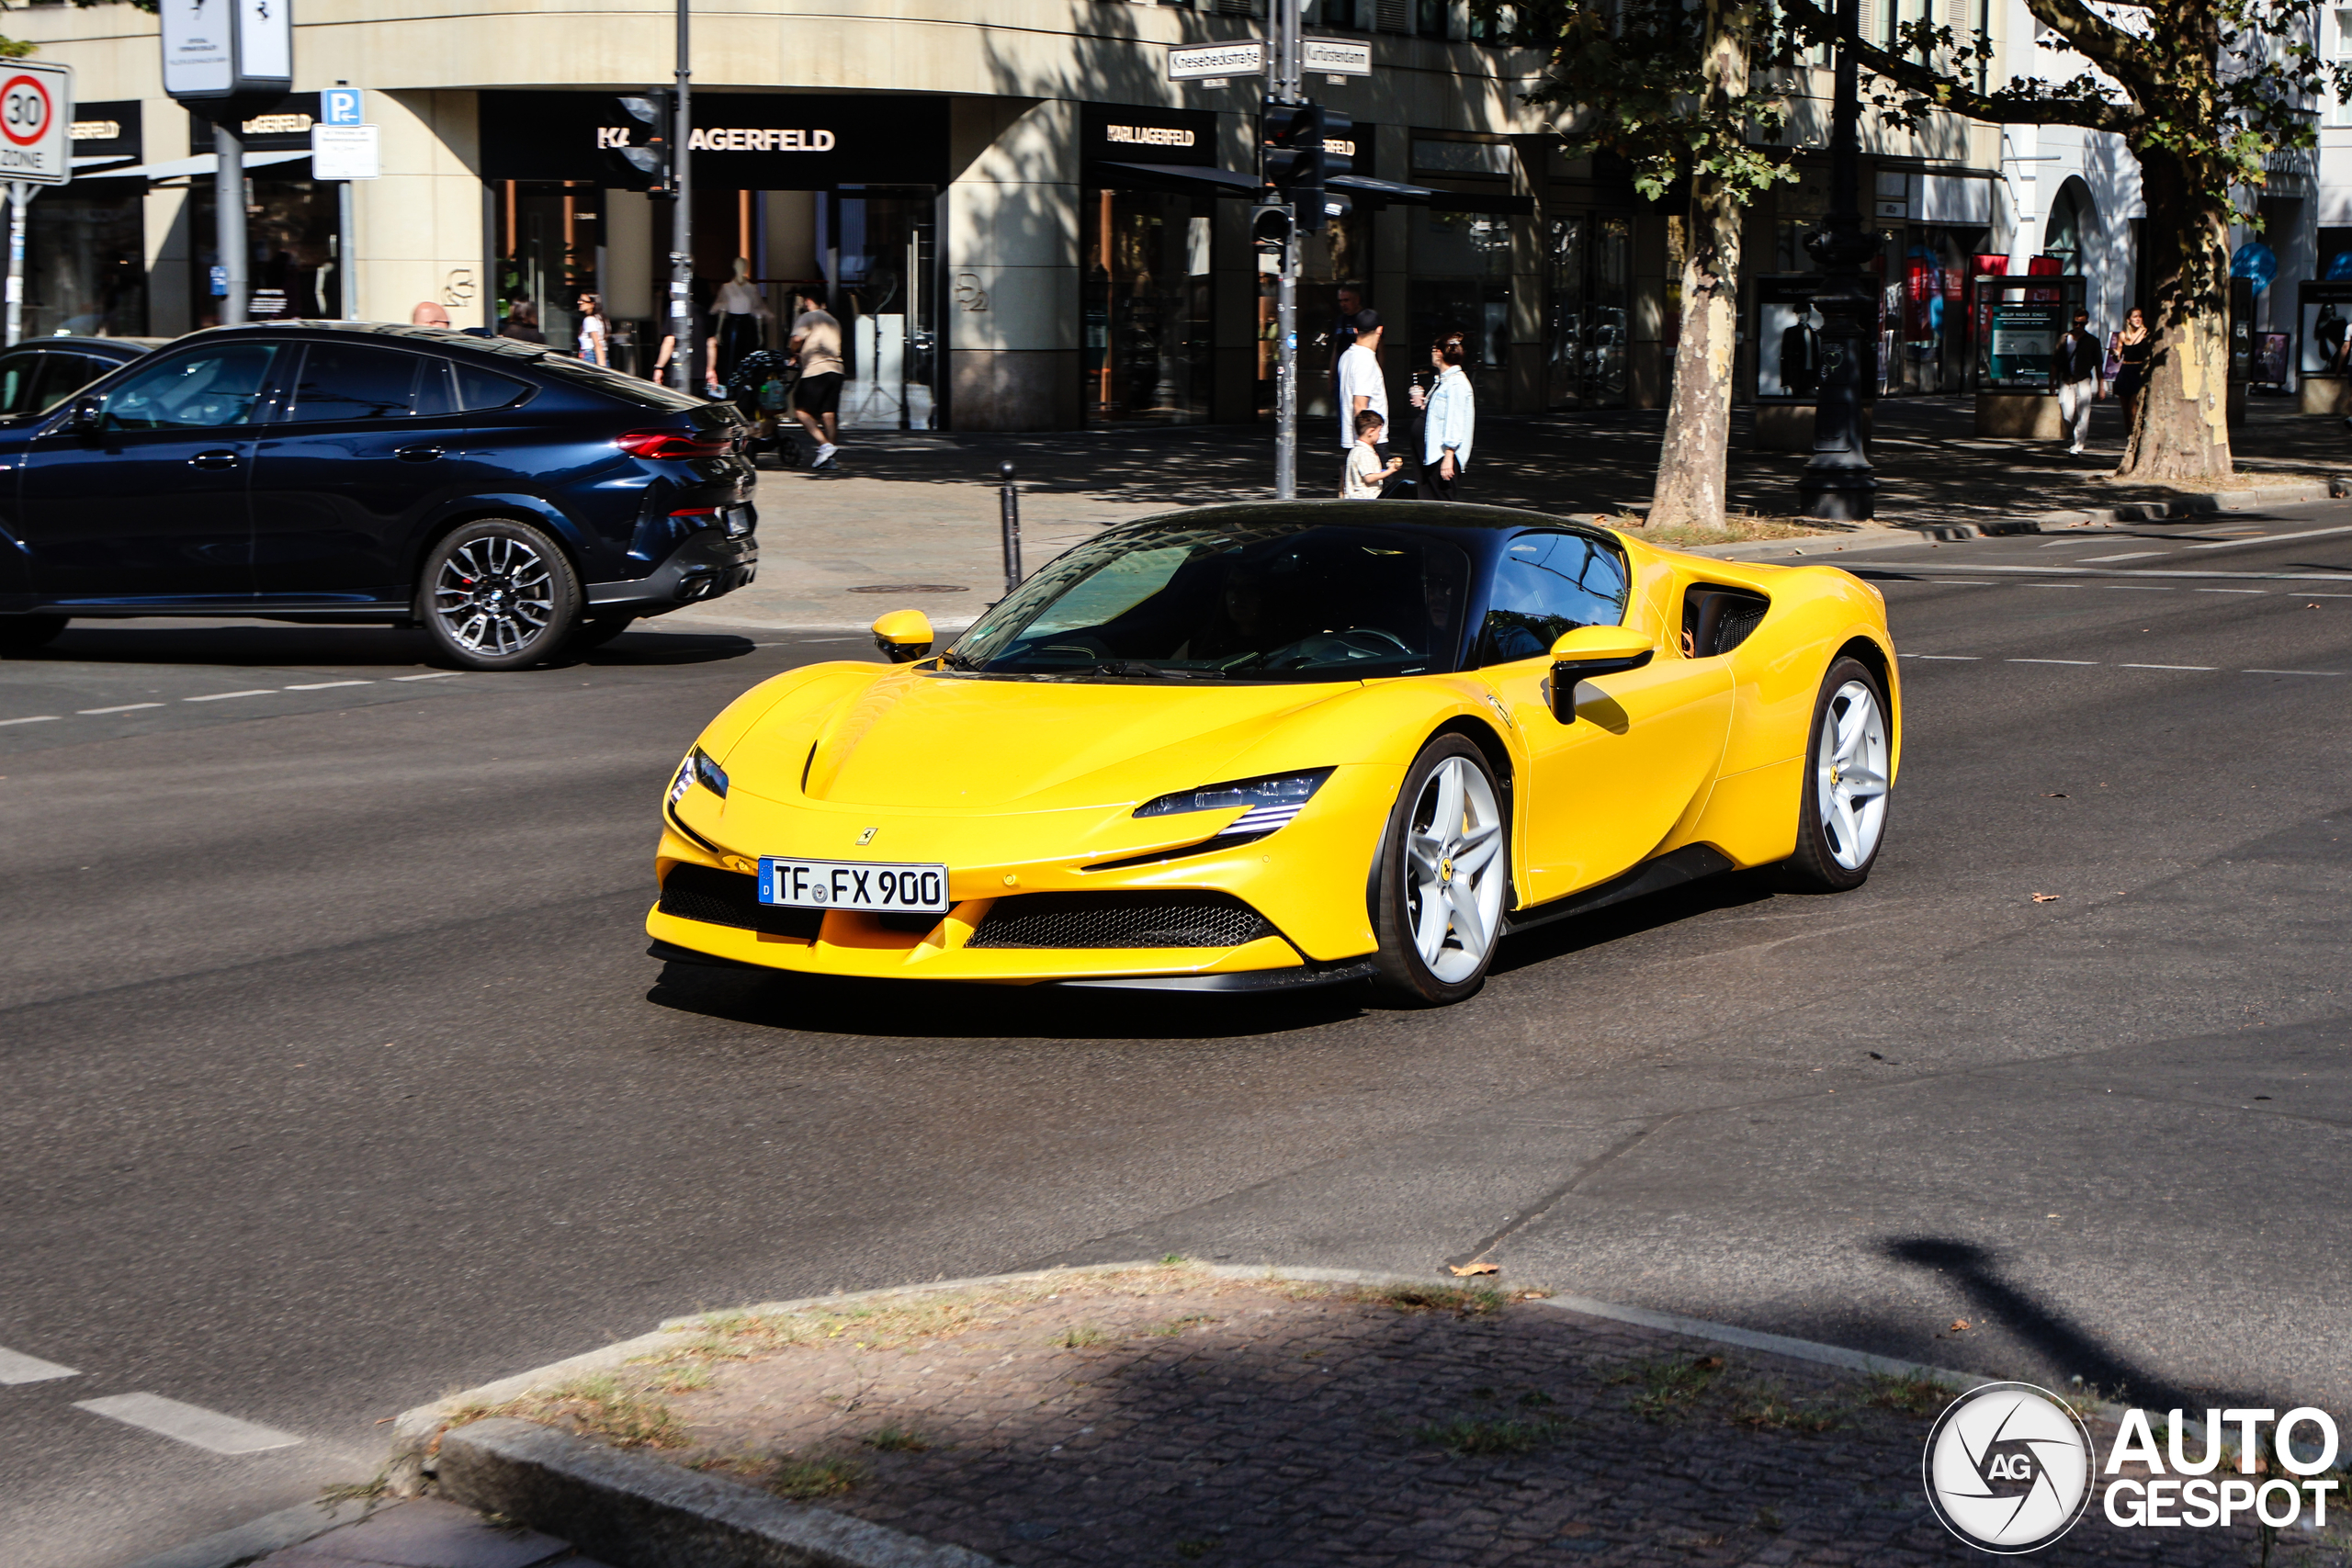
x,y
644,1513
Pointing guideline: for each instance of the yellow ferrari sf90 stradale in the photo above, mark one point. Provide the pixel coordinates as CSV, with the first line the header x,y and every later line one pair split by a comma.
x,y
1266,745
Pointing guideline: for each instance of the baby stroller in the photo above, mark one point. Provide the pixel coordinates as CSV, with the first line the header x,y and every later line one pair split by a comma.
x,y
760,387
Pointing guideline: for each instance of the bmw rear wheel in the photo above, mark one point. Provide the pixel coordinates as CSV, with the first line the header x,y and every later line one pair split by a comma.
x,y
22,634
1444,877
499,594
1841,819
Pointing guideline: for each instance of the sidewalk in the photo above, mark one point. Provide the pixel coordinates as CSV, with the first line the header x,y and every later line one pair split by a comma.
x,y
1170,1415
916,515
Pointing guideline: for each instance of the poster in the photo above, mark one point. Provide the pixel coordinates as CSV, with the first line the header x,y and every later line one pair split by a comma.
x,y
2019,343
1788,340
2326,323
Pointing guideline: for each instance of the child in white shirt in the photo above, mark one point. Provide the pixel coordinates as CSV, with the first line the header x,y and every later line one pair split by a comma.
x,y
1366,473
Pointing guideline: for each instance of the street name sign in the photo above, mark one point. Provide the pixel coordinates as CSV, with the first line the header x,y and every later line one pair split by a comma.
x,y
36,117
1336,56
1202,62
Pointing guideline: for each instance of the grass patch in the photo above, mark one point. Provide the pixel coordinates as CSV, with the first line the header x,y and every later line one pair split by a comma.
x,y
368,1493
896,1439
801,1480
1668,1386
1474,1436
1081,1336
685,1377
1462,1301
1536,1397
1767,1407
598,1407
1739,527
1907,1393
1176,1325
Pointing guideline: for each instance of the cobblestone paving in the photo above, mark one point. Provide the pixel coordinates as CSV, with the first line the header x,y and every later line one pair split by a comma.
x,y
1163,1417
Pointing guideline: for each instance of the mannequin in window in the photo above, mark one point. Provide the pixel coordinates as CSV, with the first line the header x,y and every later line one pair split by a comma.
x,y
1801,356
737,324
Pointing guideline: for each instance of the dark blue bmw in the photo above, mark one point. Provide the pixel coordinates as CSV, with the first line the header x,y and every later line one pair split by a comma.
x,y
516,503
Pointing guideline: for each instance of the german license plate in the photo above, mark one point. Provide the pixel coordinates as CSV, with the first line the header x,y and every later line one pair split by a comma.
x,y
853,885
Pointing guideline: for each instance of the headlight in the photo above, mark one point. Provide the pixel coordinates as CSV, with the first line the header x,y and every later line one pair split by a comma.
x,y
697,768
1270,802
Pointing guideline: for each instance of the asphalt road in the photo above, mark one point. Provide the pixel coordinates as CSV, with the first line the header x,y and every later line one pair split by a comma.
x,y
336,1077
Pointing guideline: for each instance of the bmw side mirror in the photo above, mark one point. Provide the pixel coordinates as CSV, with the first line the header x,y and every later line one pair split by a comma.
x,y
83,418
1588,651
903,635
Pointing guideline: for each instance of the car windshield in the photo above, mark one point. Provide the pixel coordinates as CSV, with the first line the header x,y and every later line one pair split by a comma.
x,y
1258,602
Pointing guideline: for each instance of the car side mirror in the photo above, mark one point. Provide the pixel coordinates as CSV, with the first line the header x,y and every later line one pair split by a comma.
x,y
84,417
903,635
1588,651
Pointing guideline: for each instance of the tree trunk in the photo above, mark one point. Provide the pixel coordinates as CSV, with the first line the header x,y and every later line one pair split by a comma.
x,y
2183,430
1693,463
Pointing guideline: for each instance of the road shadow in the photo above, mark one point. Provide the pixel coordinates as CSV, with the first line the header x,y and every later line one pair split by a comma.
x,y
937,1009
244,644
1732,890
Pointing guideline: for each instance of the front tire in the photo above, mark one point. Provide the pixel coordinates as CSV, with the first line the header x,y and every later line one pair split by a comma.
x,y
23,633
1841,819
1444,877
499,594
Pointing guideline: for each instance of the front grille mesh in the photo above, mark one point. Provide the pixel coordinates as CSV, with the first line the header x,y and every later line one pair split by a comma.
x,y
718,898
1120,920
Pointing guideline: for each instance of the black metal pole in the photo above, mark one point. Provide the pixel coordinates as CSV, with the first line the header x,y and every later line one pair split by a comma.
x,y
1009,499
1838,483
681,219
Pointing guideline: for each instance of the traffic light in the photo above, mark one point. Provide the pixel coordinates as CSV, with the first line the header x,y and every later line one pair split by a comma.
x,y
1270,228
1305,146
650,155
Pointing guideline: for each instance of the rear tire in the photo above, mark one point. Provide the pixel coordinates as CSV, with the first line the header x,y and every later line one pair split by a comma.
x,y
1444,877
499,594
1841,817
23,633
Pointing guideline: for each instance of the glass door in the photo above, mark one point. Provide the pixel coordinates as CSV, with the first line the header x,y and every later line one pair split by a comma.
x,y
1586,313
880,245
1147,303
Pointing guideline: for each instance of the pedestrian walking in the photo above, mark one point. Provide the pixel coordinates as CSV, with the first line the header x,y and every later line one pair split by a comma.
x,y
817,399
1449,421
595,333
2075,368
2132,347
1370,468
1364,386
521,324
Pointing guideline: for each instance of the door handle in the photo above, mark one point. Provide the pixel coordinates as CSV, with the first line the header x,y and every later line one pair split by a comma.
x,y
213,460
416,454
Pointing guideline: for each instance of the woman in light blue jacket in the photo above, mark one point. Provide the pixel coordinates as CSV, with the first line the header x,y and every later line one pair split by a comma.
x,y
1448,422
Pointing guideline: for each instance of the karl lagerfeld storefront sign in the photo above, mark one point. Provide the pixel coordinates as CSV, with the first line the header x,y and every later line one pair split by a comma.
x,y
742,140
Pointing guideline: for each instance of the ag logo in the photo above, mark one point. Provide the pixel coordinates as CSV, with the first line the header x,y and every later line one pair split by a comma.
x,y
2008,1467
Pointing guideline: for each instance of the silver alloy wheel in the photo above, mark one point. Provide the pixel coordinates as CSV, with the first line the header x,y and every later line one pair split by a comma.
x,y
495,594
1453,872
1850,774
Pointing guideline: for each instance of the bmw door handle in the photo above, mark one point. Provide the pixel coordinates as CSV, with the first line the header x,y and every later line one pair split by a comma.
x,y
416,454
216,459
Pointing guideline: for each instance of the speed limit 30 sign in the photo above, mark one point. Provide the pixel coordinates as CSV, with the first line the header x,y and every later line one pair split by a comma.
x,y
35,115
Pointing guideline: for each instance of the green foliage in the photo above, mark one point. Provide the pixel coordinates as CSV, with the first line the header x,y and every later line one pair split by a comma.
x,y
17,47
1632,79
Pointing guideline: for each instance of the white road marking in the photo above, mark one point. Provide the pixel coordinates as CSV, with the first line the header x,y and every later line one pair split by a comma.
x,y
2229,591
224,697
37,718
1965,658
17,1367
2057,585
2291,672
2167,667
2274,539
127,708
327,685
190,1424
2051,661
437,675
2144,588
2129,555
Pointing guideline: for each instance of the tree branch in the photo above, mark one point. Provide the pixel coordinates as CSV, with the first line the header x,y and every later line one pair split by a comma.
x,y
1945,92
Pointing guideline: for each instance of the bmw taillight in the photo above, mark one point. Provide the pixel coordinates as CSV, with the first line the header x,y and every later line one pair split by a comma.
x,y
671,445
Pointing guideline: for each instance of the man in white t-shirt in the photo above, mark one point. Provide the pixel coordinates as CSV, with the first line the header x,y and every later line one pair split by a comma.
x,y
817,399
1362,385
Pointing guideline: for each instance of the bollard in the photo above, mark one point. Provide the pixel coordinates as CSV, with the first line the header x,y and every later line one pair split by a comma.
x,y
1011,499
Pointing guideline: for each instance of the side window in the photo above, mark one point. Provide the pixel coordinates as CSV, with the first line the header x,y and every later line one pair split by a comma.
x,y
356,381
17,373
1546,584
479,388
212,387
62,375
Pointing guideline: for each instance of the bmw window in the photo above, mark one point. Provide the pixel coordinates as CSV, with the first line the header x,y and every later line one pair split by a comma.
x,y
360,381
203,391
1546,584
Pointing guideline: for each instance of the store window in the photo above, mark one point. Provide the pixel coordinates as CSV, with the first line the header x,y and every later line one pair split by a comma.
x,y
85,267
290,241
1585,335
1462,283
550,253
878,246
1147,294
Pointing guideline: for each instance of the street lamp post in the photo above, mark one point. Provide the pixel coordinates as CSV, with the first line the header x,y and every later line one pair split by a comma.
x,y
1838,483
682,226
